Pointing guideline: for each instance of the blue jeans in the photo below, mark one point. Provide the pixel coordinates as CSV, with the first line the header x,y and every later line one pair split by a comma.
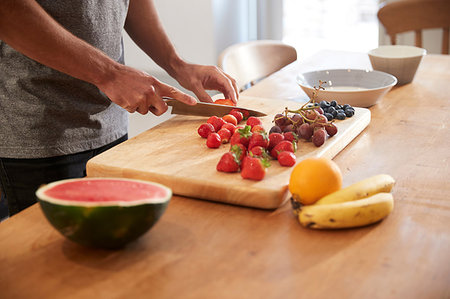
x,y
20,178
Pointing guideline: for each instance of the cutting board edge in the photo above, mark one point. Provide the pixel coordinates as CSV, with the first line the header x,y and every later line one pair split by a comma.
x,y
268,199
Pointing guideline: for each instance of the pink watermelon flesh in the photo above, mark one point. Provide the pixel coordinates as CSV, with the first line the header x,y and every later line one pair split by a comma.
x,y
105,191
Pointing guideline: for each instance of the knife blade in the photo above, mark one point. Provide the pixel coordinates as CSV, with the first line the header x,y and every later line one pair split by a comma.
x,y
206,109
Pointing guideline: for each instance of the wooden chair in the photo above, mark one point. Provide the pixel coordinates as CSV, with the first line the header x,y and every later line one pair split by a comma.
x,y
250,62
416,15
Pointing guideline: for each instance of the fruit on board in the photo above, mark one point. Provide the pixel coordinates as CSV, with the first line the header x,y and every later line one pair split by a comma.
x,y
287,159
205,129
237,114
241,136
313,178
365,188
227,102
229,162
213,141
230,119
254,168
225,135
347,214
103,212
283,146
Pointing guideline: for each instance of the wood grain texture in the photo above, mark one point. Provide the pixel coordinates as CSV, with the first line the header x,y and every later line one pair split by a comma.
x,y
174,154
203,249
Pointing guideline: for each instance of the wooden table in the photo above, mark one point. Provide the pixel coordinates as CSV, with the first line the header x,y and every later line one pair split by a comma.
x,y
201,249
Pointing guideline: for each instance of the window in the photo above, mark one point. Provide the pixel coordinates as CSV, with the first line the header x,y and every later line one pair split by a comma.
x,y
311,26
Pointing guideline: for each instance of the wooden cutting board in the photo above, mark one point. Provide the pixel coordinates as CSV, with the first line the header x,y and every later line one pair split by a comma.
x,y
173,154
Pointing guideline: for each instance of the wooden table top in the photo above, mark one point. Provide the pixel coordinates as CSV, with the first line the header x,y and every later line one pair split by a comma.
x,y
202,249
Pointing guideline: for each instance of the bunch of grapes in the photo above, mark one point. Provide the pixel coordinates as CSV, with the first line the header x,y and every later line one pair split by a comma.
x,y
307,123
312,121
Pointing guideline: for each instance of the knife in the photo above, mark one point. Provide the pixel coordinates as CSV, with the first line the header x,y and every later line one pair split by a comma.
x,y
206,109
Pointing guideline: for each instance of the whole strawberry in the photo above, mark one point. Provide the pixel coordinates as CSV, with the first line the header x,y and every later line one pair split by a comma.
x,y
241,136
228,163
282,147
287,159
274,139
254,168
213,140
239,150
258,139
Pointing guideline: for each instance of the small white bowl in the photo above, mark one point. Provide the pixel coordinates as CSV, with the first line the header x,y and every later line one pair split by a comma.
x,y
359,88
400,61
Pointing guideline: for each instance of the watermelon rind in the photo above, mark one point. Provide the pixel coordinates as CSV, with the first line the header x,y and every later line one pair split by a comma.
x,y
109,225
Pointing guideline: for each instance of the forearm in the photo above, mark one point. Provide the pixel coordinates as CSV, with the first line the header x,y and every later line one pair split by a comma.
x,y
26,27
145,28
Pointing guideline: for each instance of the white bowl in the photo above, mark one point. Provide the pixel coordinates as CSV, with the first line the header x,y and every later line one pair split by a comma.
x,y
359,88
400,61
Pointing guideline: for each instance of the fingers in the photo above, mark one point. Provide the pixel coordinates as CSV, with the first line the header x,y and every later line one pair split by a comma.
x,y
203,96
164,90
235,89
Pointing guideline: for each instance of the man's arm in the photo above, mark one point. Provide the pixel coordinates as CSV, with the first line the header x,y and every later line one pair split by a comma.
x,y
144,27
26,26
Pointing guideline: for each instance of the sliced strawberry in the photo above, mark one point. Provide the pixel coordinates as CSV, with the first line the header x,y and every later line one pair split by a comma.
x,y
230,119
282,147
228,163
254,168
258,139
287,159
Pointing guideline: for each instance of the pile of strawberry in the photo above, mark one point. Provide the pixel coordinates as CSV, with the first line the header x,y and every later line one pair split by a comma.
x,y
251,148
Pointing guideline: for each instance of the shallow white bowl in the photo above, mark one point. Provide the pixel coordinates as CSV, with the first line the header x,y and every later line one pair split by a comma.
x,y
359,88
400,61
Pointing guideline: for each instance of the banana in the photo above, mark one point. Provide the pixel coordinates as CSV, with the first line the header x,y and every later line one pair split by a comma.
x,y
347,214
362,189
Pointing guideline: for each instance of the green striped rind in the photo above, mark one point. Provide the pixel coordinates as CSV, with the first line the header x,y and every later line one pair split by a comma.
x,y
101,226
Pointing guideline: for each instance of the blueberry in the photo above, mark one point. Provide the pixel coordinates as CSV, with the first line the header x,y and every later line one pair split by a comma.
x,y
349,112
331,109
340,110
339,107
333,103
341,116
346,106
329,116
324,104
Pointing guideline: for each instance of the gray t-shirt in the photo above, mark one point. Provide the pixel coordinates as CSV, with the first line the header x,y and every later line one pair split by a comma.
x,y
45,113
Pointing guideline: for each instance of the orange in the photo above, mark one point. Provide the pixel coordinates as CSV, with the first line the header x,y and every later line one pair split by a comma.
x,y
313,178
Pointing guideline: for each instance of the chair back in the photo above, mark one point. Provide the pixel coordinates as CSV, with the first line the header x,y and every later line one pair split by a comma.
x,y
415,15
250,62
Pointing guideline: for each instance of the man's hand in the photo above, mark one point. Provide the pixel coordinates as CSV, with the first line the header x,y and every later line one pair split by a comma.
x,y
137,91
199,78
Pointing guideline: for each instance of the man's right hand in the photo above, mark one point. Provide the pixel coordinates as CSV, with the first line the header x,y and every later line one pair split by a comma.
x,y
136,91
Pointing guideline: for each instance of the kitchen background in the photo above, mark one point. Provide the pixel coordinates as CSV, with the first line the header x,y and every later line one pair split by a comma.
x,y
201,29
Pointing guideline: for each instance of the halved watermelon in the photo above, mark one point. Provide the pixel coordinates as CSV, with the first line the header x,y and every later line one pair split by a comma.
x,y
103,212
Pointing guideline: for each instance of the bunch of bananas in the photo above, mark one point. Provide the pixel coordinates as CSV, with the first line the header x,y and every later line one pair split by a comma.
x,y
362,203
